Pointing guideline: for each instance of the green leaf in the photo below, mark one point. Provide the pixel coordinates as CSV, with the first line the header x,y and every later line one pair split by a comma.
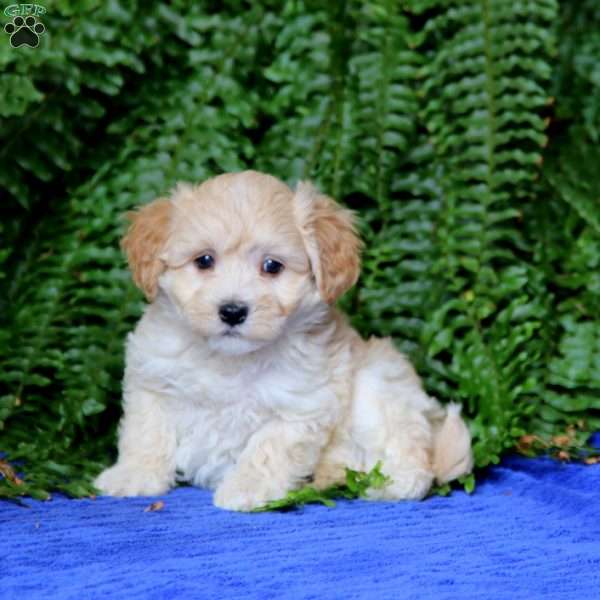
x,y
356,486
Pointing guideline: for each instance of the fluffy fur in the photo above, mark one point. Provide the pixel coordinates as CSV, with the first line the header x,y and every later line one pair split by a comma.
x,y
290,395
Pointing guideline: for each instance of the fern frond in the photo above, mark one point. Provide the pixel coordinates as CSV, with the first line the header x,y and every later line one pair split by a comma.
x,y
91,50
571,251
483,106
308,108
398,287
577,78
382,71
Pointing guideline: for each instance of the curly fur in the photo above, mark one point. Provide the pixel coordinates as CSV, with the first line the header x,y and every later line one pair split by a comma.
x,y
293,393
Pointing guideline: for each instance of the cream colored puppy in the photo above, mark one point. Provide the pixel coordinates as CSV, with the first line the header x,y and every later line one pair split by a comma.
x,y
242,377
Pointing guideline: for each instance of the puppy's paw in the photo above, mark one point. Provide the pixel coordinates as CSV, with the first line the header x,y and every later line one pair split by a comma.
x,y
246,493
126,480
409,484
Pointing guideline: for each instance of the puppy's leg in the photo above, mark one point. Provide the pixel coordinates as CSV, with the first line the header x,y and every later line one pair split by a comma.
x,y
146,463
278,458
390,422
406,461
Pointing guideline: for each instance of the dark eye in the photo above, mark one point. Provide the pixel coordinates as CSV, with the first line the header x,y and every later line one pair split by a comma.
x,y
272,266
206,261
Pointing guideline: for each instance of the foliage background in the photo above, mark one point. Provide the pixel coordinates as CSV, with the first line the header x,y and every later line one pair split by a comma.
x,y
465,133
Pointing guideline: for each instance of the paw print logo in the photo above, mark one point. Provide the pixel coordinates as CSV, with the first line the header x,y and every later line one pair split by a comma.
x,y
24,32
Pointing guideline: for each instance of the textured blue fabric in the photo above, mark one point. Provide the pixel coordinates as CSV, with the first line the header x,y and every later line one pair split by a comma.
x,y
530,531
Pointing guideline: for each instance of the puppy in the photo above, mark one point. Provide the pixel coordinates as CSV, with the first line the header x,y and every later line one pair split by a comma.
x,y
242,377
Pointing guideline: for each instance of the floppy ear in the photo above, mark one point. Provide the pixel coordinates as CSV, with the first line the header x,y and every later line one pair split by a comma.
x,y
331,241
144,241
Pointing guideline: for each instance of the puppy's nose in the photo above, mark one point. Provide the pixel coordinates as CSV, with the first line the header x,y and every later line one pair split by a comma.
x,y
233,314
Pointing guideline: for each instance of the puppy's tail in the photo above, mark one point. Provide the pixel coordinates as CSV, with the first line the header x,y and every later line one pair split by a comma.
x,y
452,456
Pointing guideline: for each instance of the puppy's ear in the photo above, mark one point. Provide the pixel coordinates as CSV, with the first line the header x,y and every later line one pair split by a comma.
x,y
331,241
144,241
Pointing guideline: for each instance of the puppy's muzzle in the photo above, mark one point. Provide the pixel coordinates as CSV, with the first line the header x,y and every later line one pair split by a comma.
x,y
233,314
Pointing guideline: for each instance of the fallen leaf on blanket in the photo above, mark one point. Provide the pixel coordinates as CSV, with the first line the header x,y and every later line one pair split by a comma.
x,y
562,455
155,506
592,460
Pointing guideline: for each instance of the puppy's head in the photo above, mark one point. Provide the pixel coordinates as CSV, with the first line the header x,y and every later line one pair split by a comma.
x,y
243,258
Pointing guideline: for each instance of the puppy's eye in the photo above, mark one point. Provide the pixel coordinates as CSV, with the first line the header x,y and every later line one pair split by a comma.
x,y
271,266
206,261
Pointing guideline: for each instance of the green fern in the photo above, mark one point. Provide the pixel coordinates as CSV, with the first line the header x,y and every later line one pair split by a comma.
x,y
89,50
398,287
383,69
356,486
306,102
484,98
570,247
577,77
463,133
572,257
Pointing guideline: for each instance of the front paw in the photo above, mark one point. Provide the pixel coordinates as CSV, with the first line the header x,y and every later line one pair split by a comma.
x,y
246,493
128,480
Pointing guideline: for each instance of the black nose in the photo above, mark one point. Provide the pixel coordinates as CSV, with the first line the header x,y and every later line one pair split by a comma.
x,y
233,314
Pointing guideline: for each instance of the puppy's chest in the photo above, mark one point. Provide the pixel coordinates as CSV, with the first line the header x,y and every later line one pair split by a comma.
x,y
196,380
211,439
215,415
216,407
200,383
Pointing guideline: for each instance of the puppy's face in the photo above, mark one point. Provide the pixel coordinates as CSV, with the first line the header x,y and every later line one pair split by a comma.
x,y
237,267
243,258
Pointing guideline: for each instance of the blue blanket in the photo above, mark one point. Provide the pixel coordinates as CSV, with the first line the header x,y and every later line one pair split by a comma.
x,y
531,530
